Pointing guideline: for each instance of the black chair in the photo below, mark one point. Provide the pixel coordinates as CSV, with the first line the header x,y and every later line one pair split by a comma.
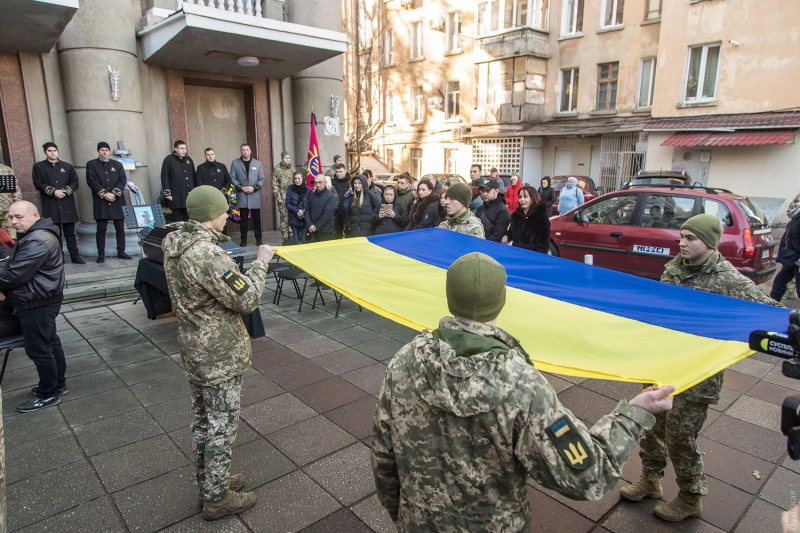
x,y
292,274
8,344
336,296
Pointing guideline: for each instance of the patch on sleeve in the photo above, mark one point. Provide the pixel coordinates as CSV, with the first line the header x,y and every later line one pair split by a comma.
x,y
235,281
570,445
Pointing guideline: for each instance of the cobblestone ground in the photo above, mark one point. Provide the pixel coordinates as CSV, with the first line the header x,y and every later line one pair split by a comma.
x,y
115,455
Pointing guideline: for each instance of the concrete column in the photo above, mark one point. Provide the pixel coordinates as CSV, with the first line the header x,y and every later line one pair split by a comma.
x,y
102,34
316,85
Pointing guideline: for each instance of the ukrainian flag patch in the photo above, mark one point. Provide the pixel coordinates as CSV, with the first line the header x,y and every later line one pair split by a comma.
x,y
570,445
235,281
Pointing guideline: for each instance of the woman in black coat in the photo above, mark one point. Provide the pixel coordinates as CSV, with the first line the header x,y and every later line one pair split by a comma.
x,y
530,223
359,206
394,219
547,193
423,213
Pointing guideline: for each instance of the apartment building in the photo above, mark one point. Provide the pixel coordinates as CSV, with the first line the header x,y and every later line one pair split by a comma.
x,y
584,87
214,73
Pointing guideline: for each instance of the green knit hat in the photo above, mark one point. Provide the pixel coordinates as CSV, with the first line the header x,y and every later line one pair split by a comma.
x,y
708,229
206,203
476,287
460,192
284,154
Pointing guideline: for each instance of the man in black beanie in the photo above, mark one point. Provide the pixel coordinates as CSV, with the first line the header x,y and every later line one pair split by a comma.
x,y
57,182
106,177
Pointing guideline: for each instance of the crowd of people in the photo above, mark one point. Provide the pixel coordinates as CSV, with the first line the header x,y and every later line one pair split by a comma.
x,y
516,214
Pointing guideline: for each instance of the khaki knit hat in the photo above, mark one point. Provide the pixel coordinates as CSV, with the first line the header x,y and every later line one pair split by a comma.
x,y
708,229
284,154
206,203
476,287
461,193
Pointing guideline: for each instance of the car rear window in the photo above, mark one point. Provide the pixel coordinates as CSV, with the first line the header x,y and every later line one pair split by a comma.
x,y
754,214
560,184
658,181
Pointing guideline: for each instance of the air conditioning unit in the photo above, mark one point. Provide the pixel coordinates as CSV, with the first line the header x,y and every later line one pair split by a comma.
x,y
457,134
436,102
407,4
436,24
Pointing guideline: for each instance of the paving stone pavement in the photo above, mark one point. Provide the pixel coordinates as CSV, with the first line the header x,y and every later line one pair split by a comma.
x,y
115,455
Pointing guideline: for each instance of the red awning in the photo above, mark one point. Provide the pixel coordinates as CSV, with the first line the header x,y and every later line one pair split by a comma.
x,y
734,138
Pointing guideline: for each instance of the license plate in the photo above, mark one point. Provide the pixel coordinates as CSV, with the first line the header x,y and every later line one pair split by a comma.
x,y
765,254
650,250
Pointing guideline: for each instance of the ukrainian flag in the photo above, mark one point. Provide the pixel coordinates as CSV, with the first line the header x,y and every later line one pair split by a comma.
x,y
571,318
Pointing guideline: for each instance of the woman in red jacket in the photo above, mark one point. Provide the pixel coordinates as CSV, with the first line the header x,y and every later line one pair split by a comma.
x,y
512,193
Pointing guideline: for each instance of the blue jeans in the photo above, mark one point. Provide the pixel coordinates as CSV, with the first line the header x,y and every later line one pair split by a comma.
x,y
299,234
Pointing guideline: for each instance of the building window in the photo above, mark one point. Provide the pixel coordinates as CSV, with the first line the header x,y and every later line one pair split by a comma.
x,y
504,153
496,15
452,104
652,9
701,73
612,13
647,78
451,160
364,27
416,162
453,32
538,14
417,104
388,56
607,85
416,40
572,19
390,159
390,107
568,91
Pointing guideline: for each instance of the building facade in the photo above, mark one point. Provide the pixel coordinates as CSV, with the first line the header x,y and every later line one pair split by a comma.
x,y
144,73
575,87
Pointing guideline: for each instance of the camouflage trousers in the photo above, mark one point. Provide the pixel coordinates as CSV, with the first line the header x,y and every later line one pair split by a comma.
x,y
5,223
674,437
284,216
216,419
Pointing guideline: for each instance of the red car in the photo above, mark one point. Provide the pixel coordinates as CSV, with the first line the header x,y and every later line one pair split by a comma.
x,y
584,182
637,230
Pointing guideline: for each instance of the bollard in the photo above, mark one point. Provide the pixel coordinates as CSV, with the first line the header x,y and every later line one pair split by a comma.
x,y
588,259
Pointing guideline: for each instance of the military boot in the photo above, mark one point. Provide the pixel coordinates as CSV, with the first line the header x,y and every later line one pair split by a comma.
x,y
236,483
232,503
647,486
685,505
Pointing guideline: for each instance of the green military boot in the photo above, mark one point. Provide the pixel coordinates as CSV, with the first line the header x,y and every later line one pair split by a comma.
x,y
685,505
236,483
647,486
232,503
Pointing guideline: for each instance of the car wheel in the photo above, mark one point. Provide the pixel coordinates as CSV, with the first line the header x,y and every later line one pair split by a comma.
x,y
553,250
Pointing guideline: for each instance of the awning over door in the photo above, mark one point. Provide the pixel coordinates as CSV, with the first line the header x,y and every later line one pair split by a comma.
x,y
733,138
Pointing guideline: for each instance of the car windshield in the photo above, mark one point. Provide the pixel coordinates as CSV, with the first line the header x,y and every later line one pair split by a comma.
x,y
754,214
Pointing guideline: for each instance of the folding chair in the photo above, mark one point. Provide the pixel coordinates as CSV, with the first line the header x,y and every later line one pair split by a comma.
x,y
293,274
8,344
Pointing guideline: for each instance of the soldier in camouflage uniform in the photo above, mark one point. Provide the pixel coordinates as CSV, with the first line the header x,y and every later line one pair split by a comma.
x,y
208,294
331,172
6,199
459,218
463,418
281,180
698,266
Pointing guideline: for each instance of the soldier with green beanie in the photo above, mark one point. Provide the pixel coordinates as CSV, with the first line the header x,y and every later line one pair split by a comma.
x,y
459,218
331,172
674,437
463,418
209,293
281,180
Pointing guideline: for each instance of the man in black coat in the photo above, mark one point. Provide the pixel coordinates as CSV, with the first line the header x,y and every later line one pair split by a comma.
x,y
493,213
319,215
33,280
57,181
177,180
341,184
106,177
213,173
788,255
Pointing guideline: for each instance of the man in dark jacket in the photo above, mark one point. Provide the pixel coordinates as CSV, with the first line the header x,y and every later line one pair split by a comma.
x,y
321,207
213,173
177,180
404,194
57,181
493,213
341,184
106,178
33,279
788,254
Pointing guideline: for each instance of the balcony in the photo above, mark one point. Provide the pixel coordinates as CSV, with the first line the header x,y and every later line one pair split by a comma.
x,y
217,37
521,40
34,25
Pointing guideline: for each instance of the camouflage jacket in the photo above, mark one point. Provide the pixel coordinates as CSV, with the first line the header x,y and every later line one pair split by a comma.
x,y
208,294
463,418
467,223
281,179
6,199
716,275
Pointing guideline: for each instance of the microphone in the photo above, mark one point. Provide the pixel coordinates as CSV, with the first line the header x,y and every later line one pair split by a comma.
x,y
769,342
